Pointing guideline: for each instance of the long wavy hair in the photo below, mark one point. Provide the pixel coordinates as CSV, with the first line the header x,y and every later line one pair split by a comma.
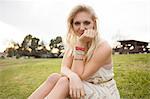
x,y
72,38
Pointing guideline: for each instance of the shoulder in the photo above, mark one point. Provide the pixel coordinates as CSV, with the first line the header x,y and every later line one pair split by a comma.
x,y
104,47
103,51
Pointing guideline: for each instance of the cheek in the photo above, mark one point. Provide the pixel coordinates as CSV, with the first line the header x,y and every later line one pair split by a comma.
x,y
75,28
90,26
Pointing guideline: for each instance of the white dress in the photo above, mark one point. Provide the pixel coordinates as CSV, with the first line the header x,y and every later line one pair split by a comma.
x,y
101,85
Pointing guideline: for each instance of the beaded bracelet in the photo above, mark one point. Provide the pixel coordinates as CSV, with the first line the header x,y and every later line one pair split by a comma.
x,y
80,48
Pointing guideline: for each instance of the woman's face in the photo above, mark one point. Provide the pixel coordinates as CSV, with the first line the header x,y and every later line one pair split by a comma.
x,y
81,22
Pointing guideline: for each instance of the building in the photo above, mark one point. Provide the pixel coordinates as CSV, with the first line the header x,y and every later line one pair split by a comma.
x,y
131,47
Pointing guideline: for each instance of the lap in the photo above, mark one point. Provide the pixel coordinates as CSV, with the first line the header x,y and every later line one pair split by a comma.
x,y
100,91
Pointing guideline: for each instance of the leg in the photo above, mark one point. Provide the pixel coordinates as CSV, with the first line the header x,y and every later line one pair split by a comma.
x,y
46,87
61,89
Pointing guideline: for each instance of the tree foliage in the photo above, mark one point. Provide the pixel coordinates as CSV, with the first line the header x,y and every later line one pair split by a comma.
x,y
30,46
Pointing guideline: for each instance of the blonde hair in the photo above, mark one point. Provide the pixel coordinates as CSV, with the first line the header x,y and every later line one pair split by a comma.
x,y
72,38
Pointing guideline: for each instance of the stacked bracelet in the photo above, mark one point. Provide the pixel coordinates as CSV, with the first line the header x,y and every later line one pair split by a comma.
x,y
79,51
76,52
79,59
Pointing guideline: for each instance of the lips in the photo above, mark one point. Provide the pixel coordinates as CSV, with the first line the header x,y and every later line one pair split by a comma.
x,y
81,32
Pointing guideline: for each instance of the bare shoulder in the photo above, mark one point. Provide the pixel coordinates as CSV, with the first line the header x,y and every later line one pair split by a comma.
x,y
103,47
100,57
103,51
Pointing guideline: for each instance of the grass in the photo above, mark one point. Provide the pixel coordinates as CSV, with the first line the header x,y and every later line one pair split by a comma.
x,y
20,77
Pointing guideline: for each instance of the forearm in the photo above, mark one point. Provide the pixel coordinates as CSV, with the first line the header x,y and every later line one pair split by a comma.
x,y
78,64
66,71
78,60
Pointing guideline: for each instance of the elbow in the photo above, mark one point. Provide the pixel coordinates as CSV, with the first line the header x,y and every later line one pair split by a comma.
x,y
83,77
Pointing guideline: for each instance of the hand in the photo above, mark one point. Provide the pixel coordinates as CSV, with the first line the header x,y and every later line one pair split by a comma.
x,y
87,36
76,86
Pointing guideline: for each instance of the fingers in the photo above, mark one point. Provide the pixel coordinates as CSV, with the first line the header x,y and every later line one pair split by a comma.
x,y
90,33
77,93
82,92
71,92
74,94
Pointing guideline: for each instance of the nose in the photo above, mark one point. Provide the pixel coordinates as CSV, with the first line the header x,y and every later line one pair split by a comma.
x,y
82,27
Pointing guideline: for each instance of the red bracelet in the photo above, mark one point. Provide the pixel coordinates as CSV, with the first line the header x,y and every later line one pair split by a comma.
x,y
80,48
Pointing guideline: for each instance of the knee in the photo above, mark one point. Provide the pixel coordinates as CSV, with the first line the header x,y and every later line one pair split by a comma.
x,y
63,81
53,77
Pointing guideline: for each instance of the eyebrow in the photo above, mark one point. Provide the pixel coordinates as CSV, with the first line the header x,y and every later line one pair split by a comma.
x,y
81,21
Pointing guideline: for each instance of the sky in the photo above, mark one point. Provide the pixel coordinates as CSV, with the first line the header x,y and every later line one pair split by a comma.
x,y
46,19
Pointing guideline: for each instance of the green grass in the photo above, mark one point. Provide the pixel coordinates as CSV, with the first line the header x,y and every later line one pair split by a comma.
x,y
20,77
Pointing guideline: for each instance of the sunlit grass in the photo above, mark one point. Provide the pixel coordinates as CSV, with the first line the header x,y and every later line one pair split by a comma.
x,y
20,77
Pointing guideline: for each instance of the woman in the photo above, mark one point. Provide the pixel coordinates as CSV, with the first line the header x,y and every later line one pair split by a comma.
x,y
86,69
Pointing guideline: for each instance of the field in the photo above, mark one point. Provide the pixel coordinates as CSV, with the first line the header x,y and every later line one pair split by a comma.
x,y
20,77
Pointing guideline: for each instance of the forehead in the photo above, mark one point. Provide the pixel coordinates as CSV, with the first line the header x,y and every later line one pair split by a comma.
x,y
82,16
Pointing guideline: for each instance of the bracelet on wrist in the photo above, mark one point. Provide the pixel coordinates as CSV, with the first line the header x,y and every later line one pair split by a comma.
x,y
78,52
79,59
80,48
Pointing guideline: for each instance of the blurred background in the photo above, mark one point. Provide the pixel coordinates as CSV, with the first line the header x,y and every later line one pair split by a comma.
x,y
44,20
32,42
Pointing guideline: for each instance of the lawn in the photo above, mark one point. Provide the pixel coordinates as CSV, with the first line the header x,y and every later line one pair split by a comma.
x,y
20,77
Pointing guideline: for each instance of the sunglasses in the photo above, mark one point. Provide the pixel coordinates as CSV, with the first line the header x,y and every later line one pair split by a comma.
x,y
77,23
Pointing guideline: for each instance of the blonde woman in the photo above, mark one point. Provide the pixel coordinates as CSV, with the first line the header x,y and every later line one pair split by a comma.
x,y
86,69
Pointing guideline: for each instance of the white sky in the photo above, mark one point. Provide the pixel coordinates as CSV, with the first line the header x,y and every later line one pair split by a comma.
x,y
46,19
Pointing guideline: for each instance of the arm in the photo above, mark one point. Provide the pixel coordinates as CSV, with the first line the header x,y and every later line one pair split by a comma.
x,y
78,65
66,64
75,81
101,55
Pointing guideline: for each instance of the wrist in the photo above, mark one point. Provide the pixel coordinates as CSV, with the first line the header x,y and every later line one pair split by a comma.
x,y
79,52
72,75
81,44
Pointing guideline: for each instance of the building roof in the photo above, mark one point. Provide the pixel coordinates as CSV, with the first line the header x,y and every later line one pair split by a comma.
x,y
129,41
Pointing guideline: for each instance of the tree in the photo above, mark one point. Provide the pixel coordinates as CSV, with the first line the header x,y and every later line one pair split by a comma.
x,y
52,43
12,49
56,43
11,52
26,42
34,43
